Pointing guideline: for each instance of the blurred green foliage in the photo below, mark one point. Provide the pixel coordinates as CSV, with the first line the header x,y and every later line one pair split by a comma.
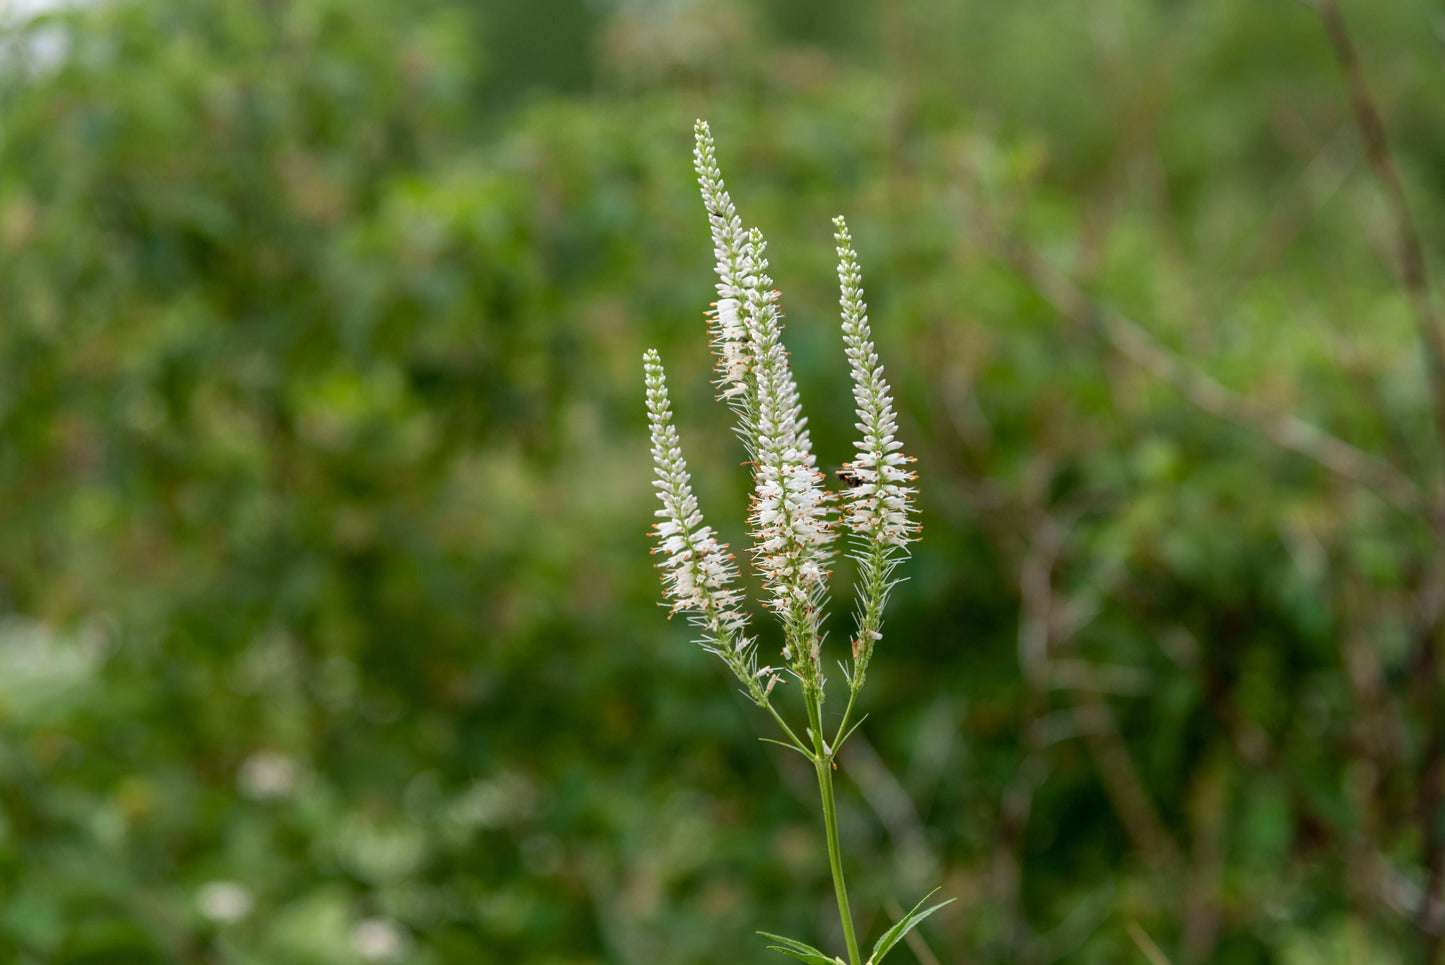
x,y
330,633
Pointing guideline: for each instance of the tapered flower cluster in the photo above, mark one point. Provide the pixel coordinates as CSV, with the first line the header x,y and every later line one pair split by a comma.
x,y
730,247
792,515
790,520
697,570
878,503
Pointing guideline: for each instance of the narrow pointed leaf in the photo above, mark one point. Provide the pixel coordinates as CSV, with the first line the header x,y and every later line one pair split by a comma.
x,y
856,724
791,747
905,925
800,951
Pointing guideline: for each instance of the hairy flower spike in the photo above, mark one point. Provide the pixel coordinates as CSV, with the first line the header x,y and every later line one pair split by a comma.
x,y
730,246
879,509
880,501
790,517
697,570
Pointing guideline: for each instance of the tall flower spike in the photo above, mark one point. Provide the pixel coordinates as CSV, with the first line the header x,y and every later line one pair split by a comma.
x,y
697,570
790,514
879,509
729,241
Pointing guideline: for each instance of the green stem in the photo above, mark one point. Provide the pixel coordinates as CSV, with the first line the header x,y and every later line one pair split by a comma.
x,y
786,729
823,764
843,724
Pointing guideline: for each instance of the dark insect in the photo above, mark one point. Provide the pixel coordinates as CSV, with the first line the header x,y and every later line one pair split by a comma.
x,y
850,478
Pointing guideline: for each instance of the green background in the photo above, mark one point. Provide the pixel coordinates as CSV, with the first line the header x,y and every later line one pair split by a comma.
x,y
324,480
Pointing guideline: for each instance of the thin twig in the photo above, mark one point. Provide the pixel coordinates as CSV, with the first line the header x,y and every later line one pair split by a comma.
x,y
1411,252
1146,944
1204,880
1416,283
1094,718
886,795
1122,784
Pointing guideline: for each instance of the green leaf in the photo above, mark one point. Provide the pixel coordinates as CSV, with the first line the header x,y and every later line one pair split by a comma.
x,y
791,747
856,724
800,951
895,934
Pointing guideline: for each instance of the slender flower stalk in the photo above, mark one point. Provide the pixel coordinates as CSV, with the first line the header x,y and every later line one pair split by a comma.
x,y
792,515
697,570
730,246
790,521
879,503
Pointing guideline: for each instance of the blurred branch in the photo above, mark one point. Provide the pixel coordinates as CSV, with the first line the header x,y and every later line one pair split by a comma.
x,y
1320,180
1426,661
1135,343
1426,674
1077,926
1411,252
1121,780
1403,896
1285,430
1208,805
894,808
885,795
1146,944
1094,718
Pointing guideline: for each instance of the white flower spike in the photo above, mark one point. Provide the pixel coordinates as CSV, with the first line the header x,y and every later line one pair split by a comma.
x,y
792,516
730,246
879,504
697,570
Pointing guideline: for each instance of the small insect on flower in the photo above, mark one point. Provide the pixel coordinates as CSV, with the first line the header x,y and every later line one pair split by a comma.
x,y
849,477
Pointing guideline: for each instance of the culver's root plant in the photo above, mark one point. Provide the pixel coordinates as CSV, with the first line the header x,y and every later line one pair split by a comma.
x,y
794,519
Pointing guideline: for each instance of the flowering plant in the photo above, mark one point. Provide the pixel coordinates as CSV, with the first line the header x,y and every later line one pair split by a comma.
x,y
793,517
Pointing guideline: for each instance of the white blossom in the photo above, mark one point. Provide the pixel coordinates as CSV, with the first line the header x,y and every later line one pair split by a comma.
x,y
730,247
790,517
697,570
878,503
224,902
379,940
268,776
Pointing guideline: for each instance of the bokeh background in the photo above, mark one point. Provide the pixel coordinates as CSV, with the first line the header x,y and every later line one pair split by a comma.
x,y
329,630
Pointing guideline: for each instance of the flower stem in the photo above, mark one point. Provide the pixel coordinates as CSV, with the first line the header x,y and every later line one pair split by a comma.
x,y
823,764
786,729
843,724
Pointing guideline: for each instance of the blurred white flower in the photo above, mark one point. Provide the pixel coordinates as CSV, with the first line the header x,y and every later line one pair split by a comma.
x,y
503,799
268,776
224,902
41,665
379,940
